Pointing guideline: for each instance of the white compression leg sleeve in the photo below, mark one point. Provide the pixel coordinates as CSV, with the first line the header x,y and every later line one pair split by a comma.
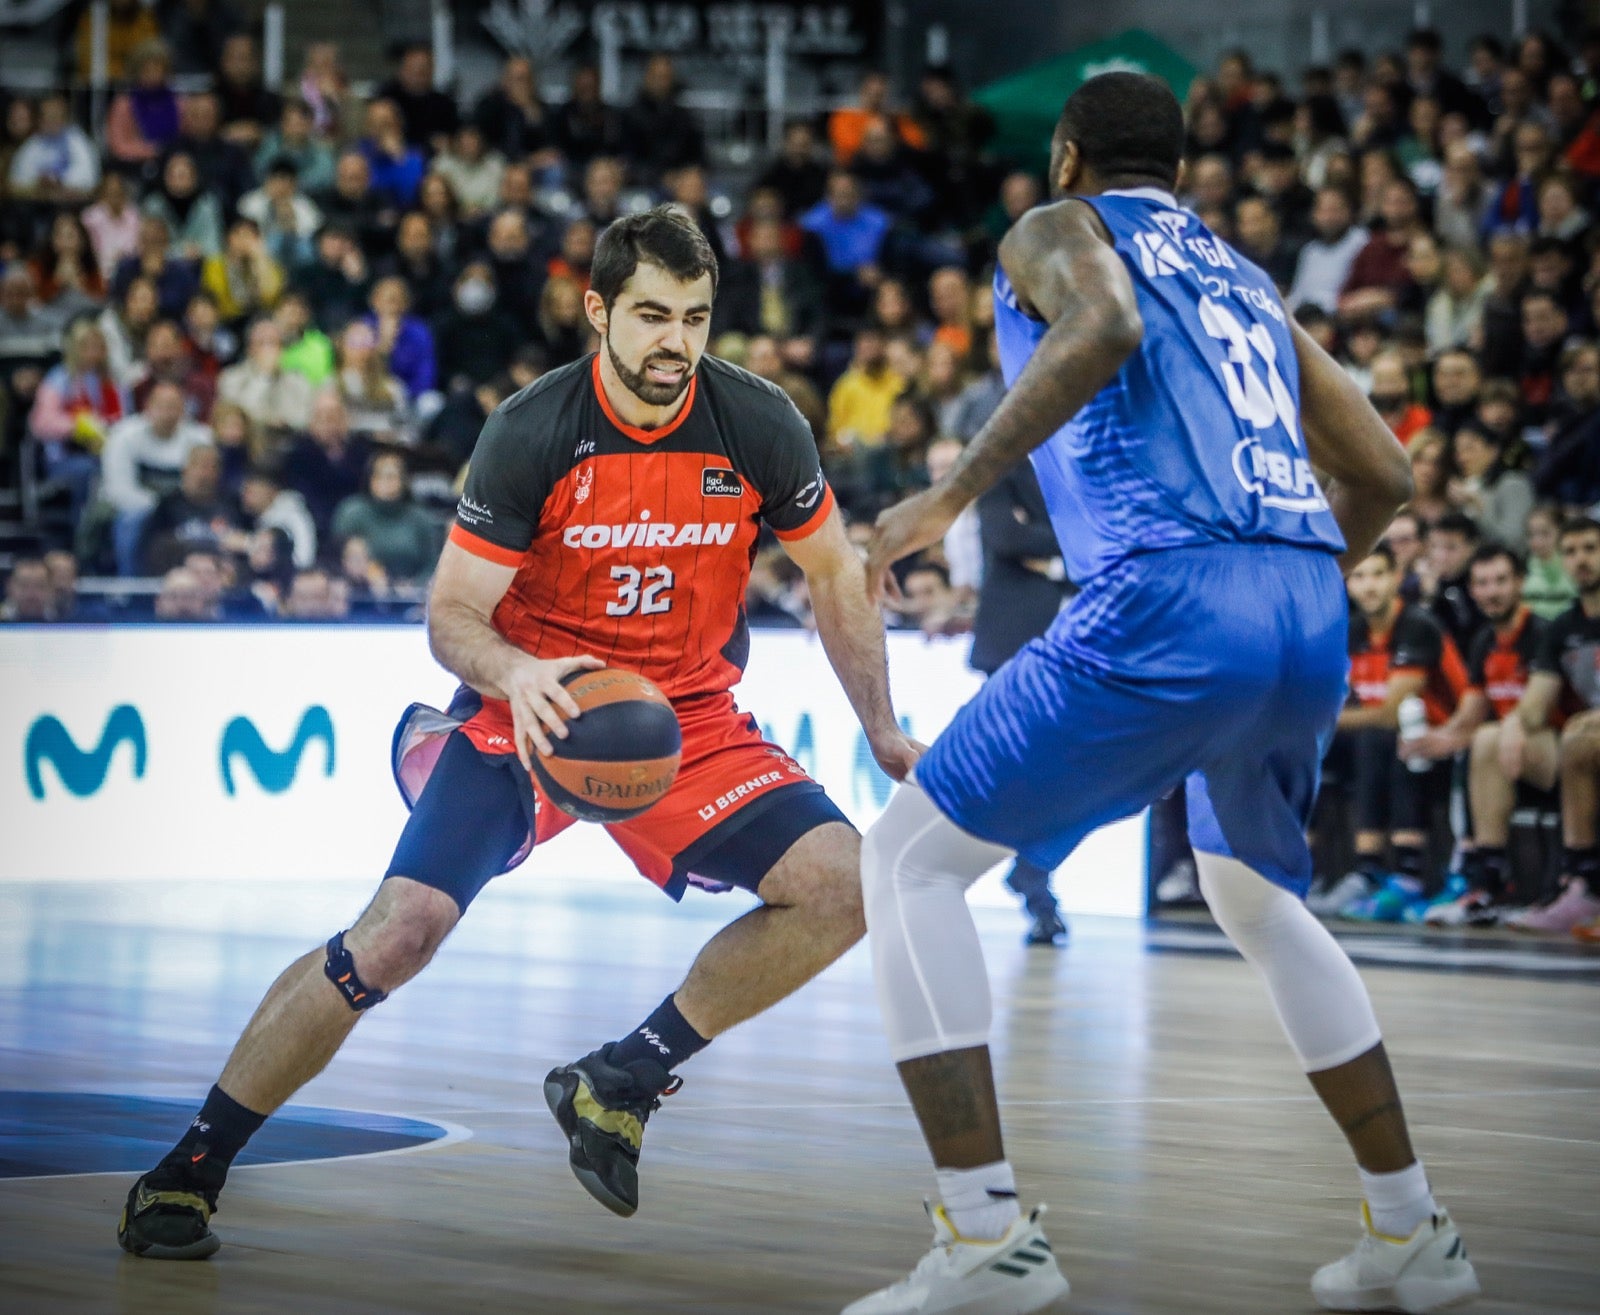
x,y
1320,998
933,986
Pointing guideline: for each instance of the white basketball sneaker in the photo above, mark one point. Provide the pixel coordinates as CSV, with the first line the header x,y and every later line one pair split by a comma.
x,y
1012,1276
1427,1271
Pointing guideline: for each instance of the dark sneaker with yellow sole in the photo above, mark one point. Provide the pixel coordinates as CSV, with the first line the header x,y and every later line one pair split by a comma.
x,y
168,1213
603,1108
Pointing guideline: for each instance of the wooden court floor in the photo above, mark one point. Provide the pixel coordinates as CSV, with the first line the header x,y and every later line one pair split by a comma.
x,y
1150,1100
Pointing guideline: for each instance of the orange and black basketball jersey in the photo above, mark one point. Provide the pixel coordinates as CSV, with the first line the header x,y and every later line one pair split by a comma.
x,y
635,545
1499,664
1413,643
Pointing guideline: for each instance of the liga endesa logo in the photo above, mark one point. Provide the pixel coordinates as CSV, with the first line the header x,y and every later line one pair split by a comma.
x,y
83,772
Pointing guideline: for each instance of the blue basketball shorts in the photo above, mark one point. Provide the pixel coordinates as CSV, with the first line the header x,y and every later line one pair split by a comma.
x,y
1222,668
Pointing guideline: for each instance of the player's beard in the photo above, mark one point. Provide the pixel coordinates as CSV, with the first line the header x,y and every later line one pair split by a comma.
x,y
640,384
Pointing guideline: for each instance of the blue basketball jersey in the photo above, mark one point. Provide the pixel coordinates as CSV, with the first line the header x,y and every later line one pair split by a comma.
x,y
1197,439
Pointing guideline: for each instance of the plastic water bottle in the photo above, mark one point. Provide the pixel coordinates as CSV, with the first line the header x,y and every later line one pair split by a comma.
x,y
1413,723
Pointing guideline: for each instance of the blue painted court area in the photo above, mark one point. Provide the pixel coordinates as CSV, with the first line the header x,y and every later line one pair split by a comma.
x,y
45,1133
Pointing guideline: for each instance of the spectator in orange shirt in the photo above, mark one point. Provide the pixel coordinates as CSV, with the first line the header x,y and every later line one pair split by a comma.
x,y
950,296
847,126
1391,397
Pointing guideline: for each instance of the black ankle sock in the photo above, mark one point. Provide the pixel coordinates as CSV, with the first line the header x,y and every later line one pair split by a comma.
x,y
1408,860
218,1132
1488,869
1584,863
1370,865
665,1038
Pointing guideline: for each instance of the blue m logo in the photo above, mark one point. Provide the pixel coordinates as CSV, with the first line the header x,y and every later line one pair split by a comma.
x,y
82,773
275,771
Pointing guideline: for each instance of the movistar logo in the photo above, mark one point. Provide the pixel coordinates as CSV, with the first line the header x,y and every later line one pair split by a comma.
x,y
275,771
82,773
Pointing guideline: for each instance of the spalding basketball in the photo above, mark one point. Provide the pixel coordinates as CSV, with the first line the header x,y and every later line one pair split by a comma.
x,y
620,756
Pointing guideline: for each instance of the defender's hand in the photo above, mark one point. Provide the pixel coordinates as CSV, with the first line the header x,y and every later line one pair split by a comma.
x,y
900,531
897,754
539,704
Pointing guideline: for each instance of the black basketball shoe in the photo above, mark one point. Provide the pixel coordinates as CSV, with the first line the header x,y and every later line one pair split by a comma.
x,y
603,1109
169,1209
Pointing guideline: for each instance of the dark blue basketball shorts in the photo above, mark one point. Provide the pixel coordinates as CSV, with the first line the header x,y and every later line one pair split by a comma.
x,y
1223,668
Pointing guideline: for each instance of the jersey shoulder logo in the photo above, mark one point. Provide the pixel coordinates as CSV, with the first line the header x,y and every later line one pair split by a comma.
x,y
721,483
584,484
807,497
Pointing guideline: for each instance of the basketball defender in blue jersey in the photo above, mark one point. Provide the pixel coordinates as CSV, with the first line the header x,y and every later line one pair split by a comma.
x,y
1207,469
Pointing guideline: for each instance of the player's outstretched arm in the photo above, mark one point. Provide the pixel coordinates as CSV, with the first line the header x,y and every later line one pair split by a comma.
x,y
466,590
851,629
1369,477
1063,269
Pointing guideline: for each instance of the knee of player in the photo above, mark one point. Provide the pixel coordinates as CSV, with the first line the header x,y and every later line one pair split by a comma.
x,y
1580,741
381,954
831,886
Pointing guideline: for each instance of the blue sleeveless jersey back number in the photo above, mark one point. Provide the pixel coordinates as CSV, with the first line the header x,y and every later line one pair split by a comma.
x,y
1197,439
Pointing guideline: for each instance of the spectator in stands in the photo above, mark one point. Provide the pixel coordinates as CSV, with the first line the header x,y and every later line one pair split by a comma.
x,y
428,116
315,596
942,381
852,235
1561,216
1566,675
950,298
453,432
563,327
1454,314
355,206
1544,334
76,406
210,345
1569,468
847,127
193,216
278,400
243,279
768,292
1462,203
29,597
1501,350
143,119
1497,498
1323,266
928,602
240,442
196,514
58,164
197,30
287,217
509,252
404,342
184,597
764,358
576,257
224,166
1456,382
65,271
472,169
400,535
324,88
167,360
1379,270
1548,589
247,108
144,459
586,126
29,340
374,399
1258,234
129,25
797,175
859,402
62,568
1431,472
112,223
293,140
1514,207
889,180
663,134
361,572
512,119
267,505
418,264
1391,398
173,279
981,398
438,203
395,166
475,336
337,283
328,463
1452,539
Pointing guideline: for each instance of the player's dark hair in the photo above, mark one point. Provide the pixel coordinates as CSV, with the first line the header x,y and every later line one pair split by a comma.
x,y
1126,125
663,236
1579,525
1383,550
1493,552
1457,522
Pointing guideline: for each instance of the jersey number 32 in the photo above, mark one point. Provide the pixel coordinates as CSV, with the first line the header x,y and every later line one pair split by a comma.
x,y
648,600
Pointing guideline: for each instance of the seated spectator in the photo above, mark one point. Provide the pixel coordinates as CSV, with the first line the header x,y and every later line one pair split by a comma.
x,y
513,121
1431,472
1391,398
437,203
510,255
74,409
396,166
129,26
195,515
1396,652
1379,271
563,326
248,109
576,257
929,603
1565,679
287,218
950,297
294,140
324,88
454,431
144,459
942,382
374,399
355,206
267,571
852,235
401,536
1258,235
664,135
1454,314
193,216
1544,334
1560,214
66,273
405,344
1547,589
763,357
276,399
1456,382
361,572
184,597
69,606
174,279
476,338
124,324
765,205
112,223
1515,207
29,598
58,164
338,282
1499,410
979,399
768,292
848,125
472,170
243,279
328,463
866,479
267,505
240,442
688,188
1451,541
586,126
167,360
30,338
211,346
859,403
143,119
1568,471
427,115
315,596
1323,266
1363,340
1497,498
219,582
1501,349
419,265
888,178
797,174
307,350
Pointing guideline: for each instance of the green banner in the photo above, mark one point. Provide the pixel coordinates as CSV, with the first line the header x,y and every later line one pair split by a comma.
x,y
1026,105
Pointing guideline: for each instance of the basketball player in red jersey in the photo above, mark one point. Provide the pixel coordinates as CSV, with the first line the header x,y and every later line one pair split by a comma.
x,y
609,518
